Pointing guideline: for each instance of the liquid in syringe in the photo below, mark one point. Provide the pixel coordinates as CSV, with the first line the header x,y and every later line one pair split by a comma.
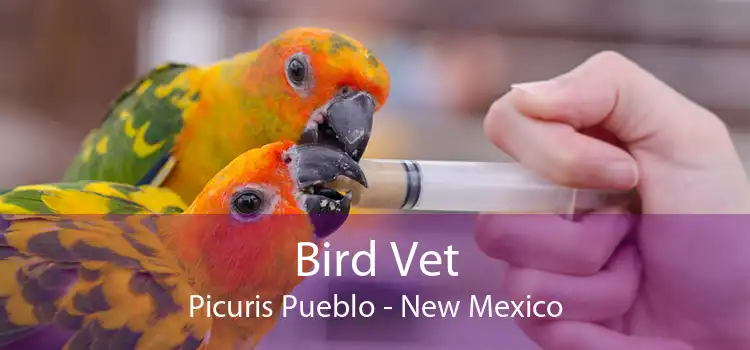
x,y
470,187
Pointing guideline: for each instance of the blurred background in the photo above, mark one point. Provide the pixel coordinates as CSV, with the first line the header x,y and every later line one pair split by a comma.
x,y
62,62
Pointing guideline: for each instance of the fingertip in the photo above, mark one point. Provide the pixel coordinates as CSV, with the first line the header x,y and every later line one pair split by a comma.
x,y
556,150
622,173
494,124
537,92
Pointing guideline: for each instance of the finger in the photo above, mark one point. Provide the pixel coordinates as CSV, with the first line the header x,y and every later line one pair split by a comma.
x,y
550,243
614,92
603,296
576,335
557,151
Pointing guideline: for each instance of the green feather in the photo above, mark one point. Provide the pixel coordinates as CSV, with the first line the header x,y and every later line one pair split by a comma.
x,y
30,200
121,206
120,162
30,197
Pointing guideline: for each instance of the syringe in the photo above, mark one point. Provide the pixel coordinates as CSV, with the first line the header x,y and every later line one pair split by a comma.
x,y
470,187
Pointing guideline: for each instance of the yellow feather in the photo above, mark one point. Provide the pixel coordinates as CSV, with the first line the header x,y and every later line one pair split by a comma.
x,y
140,146
6,208
104,188
101,146
88,146
41,188
19,311
85,203
157,199
187,81
144,86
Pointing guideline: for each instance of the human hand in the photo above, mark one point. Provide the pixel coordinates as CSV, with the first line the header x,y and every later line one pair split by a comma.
x,y
610,124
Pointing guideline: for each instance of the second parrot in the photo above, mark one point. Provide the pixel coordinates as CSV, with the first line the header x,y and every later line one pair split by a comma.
x,y
180,124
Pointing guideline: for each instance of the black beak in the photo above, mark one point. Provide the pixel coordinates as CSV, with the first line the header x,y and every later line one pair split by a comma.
x,y
347,124
312,166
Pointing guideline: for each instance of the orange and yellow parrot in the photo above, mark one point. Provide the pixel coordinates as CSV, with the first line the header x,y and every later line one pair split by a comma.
x,y
180,124
118,276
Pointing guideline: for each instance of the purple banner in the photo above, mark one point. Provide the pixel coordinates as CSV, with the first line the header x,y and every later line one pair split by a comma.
x,y
420,281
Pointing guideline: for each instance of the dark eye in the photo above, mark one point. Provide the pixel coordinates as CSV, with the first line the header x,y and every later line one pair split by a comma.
x,y
296,70
248,202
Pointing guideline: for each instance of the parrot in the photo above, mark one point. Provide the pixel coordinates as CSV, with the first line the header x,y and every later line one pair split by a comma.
x,y
179,124
121,275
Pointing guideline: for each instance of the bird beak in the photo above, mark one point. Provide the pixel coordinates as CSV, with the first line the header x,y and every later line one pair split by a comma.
x,y
346,125
312,167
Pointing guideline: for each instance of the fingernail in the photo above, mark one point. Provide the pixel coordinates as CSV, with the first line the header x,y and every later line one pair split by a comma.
x,y
624,173
537,87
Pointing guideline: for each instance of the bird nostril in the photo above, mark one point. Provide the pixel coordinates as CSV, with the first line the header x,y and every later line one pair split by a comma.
x,y
346,91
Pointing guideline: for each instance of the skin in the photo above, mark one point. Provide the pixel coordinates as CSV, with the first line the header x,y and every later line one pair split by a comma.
x,y
624,289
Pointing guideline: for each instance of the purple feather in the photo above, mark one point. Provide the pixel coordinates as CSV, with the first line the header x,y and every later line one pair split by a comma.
x,y
45,338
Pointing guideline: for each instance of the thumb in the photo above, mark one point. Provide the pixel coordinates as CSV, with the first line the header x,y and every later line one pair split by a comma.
x,y
543,125
611,92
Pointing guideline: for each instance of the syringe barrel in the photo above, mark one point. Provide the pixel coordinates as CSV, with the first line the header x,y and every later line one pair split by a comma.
x,y
472,187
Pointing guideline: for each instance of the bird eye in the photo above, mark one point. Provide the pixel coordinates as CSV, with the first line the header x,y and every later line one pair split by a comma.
x,y
248,202
296,70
